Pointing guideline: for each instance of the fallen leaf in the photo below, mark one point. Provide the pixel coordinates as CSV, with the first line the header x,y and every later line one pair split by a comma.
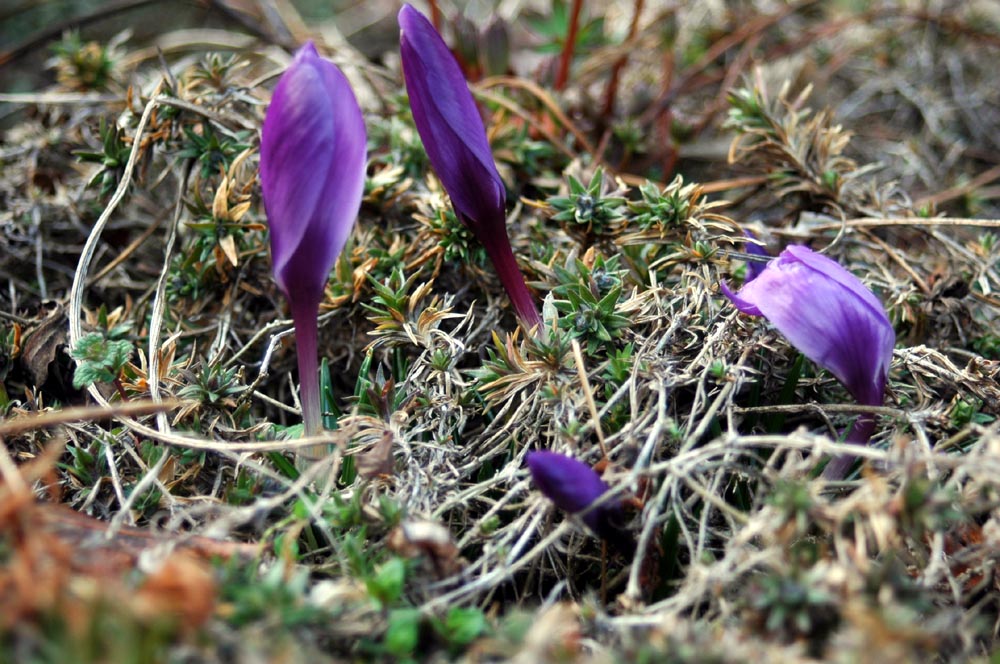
x,y
377,461
42,343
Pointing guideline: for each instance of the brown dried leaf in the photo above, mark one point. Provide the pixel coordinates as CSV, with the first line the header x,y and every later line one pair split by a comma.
x,y
228,245
42,344
182,588
377,461
417,537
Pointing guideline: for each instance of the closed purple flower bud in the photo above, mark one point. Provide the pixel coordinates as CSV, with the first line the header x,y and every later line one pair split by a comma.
x,y
833,319
312,172
574,486
452,132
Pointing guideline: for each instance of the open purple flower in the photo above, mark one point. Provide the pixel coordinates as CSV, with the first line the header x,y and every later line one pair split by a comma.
x,y
574,486
452,132
833,319
312,172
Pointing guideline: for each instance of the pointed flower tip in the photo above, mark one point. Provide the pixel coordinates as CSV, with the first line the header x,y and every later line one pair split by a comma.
x,y
406,14
312,169
307,50
450,126
571,484
828,315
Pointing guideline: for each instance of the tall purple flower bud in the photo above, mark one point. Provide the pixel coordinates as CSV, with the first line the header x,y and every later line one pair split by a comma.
x,y
453,135
312,172
574,486
833,319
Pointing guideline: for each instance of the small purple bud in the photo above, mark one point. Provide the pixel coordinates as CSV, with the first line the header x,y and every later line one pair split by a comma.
x,y
832,318
452,132
574,486
312,172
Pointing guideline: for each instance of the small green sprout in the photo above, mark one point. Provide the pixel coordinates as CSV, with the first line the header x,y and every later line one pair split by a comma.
x,y
386,585
588,301
794,501
669,207
83,65
457,241
112,156
212,151
588,207
553,28
795,605
100,360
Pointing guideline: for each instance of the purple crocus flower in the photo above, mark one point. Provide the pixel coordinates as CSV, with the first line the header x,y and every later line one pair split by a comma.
x,y
312,172
574,486
833,319
452,131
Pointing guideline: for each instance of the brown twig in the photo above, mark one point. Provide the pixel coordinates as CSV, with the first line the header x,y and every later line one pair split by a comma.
x,y
18,425
616,71
435,14
562,74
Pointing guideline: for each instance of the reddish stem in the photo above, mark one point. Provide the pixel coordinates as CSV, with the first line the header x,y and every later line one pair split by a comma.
x,y
562,75
435,15
304,314
860,433
502,257
616,71
121,389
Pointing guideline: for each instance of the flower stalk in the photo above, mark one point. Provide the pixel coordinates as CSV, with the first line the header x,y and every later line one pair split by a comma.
x,y
312,170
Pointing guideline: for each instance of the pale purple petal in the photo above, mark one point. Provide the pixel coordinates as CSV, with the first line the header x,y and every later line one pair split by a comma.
x,y
828,315
741,304
312,169
833,270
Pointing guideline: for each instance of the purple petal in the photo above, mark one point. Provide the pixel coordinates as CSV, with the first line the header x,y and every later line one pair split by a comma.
x,y
453,135
450,126
312,170
829,315
741,304
572,485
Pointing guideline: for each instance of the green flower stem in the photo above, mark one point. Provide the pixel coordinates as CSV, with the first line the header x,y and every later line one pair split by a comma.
x,y
304,315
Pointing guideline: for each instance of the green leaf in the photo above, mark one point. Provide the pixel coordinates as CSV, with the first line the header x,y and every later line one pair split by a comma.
x,y
403,633
387,584
87,374
463,626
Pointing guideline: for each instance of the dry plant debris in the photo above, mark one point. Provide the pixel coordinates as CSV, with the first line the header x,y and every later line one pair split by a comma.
x,y
150,505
